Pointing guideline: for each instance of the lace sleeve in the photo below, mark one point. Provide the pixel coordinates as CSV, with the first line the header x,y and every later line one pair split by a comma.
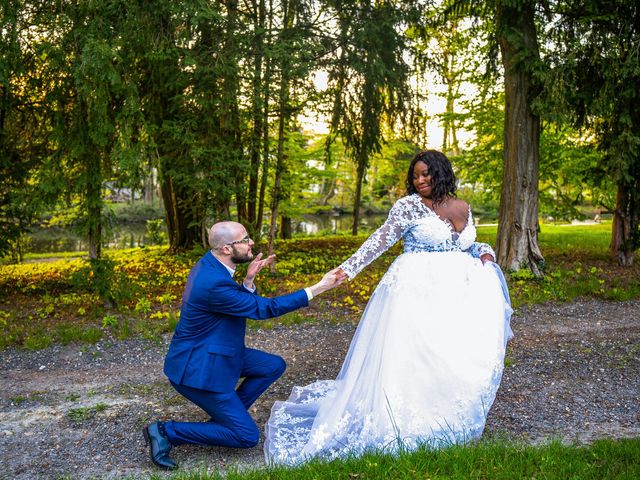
x,y
477,249
380,240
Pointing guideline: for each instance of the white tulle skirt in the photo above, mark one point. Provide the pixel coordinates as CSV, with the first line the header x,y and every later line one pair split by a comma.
x,y
423,366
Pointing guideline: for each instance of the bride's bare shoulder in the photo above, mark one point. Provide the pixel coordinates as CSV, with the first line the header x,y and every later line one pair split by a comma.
x,y
459,206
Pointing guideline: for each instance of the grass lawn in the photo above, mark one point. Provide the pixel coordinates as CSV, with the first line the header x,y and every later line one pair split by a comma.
x,y
604,459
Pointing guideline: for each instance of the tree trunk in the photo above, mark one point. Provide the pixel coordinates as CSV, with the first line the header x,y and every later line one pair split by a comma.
x,y
328,191
94,205
449,140
256,137
517,245
184,230
450,137
274,213
161,89
265,131
283,118
279,163
362,166
149,188
622,244
265,162
230,121
286,228
91,161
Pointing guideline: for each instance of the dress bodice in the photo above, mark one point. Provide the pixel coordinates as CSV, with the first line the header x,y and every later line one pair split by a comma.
x,y
421,229
432,234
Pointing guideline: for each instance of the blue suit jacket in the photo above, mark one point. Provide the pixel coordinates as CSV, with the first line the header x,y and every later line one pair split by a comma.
x,y
207,347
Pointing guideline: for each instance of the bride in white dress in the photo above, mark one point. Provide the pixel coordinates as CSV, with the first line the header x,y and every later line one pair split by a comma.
x,y
427,356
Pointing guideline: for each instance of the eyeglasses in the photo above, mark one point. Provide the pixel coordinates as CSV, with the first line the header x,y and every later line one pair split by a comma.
x,y
245,239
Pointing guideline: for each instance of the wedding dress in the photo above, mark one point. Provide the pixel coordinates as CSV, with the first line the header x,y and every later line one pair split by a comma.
x,y
427,357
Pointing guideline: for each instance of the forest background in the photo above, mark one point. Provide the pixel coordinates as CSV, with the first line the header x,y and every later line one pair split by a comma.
x,y
208,99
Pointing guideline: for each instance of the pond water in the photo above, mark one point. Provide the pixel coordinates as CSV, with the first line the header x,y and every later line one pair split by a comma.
x,y
334,224
132,235
53,240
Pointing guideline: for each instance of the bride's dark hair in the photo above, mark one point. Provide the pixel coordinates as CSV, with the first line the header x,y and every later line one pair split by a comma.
x,y
443,180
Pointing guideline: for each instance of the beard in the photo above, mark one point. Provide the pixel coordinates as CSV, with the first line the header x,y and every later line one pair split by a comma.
x,y
239,258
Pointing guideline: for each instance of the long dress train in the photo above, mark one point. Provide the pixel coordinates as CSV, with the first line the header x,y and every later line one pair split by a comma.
x,y
427,357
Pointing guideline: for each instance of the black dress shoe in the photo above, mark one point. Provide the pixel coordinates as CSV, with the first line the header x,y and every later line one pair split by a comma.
x,y
159,445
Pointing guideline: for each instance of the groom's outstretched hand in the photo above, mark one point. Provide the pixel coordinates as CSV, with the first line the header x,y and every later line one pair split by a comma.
x,y
254,268
330,279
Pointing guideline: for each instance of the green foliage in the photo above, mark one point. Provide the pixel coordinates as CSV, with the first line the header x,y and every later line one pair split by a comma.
x,y
568,162
594,86
371,81
137,212
85,65
67,333
387,177
109,321
81,414
143,305
37,341
110,94
22,148
480,165
567,173
101,277
124,330
172,321
154,234
447,47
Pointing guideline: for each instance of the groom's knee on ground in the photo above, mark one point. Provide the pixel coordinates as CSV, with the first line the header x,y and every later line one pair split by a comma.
x,y
247,436
279,366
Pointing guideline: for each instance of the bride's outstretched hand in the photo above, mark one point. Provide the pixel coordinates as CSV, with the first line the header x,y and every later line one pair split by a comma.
x,y
330,279
340,274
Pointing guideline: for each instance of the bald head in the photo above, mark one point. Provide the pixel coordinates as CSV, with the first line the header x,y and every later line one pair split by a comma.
x,y
222,233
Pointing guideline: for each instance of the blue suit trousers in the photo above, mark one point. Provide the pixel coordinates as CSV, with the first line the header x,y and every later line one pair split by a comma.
x,y
230,424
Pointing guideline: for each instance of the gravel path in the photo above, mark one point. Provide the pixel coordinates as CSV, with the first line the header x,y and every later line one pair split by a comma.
x,y
573,372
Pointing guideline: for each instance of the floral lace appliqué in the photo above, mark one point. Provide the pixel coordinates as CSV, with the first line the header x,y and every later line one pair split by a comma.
x,y
421,230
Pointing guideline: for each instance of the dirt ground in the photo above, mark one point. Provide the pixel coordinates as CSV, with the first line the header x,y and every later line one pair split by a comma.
x,y
76,411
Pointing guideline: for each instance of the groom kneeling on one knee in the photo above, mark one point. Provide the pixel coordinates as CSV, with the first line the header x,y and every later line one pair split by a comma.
x,y
207,355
